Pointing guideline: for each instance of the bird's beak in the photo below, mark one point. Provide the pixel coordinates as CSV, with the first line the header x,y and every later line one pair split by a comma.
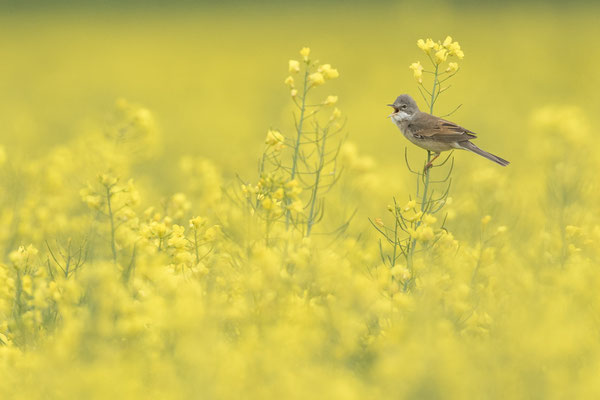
x,y
389,116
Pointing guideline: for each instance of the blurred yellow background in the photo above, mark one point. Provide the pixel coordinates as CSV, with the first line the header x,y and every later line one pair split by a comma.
x,y
214,77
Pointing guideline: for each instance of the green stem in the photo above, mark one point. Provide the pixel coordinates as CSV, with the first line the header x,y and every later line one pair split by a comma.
x,y
196,245
478,265
113,245
310,221
413,242
267,229
299,129
435,81
395,238
426,177
298,138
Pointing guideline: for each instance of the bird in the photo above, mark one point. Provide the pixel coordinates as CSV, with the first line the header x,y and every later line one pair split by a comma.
x,y
433,133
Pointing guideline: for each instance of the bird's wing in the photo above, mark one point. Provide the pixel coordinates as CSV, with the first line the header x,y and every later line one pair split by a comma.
x,y
430,126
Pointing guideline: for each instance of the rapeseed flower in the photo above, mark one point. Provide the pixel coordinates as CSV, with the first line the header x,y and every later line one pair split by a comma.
x,y
293,66
441,56
274,139
316,79
305,52
328,72
426,45
330,100
417,69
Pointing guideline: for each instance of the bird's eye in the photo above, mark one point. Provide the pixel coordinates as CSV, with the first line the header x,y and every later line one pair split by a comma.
x,y
403,106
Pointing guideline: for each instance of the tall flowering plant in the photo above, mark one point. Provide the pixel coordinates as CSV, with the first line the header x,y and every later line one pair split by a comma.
x,y
414,226
297,170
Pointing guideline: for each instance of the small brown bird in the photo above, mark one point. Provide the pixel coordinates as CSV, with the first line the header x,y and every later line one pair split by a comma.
x,y
433,133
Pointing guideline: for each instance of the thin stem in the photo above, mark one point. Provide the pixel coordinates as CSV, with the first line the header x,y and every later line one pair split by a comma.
x,y
113,245
424,201
196,245
298,137
433,96
311,220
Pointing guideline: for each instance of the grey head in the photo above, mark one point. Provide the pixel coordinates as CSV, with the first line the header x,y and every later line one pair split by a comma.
x,y
404,104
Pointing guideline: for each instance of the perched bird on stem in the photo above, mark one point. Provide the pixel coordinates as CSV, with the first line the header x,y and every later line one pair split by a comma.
x,y
433,133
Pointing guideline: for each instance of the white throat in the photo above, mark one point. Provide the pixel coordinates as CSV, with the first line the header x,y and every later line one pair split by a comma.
x,y
400,116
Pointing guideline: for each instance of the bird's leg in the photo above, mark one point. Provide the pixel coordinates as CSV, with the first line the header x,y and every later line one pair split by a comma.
x,y
430,163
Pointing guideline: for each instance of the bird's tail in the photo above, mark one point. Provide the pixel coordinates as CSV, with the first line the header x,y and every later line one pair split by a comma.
x,y
471,147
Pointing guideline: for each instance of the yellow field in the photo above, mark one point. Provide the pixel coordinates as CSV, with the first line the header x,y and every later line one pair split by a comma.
x,y
147,254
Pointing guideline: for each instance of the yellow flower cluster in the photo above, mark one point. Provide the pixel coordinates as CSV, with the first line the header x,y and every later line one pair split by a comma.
x,y
313,77
441,50
274,139
274,195
438,53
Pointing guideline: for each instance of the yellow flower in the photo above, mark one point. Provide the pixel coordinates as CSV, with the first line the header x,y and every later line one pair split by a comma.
x,y
292,184
274,138
332,73
414,217
452,67
572,249
328,72
199,222
330,100
486,220
572,231
27,284
92,201
20,257
429,219
336,113
305,52
425,45
400,272
296,206
447,41
424,233
107,180
212,232
441,56
177,240
454,50
293,66
267,203
379,222
293,92
278,194
143,118
289,81
316,79
159,229
417,69
293,188
411,204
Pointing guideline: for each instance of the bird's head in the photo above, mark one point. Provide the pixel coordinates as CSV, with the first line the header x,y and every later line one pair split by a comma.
x,y
404,108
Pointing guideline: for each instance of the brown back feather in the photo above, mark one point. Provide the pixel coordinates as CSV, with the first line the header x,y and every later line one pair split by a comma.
x,y
436,128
